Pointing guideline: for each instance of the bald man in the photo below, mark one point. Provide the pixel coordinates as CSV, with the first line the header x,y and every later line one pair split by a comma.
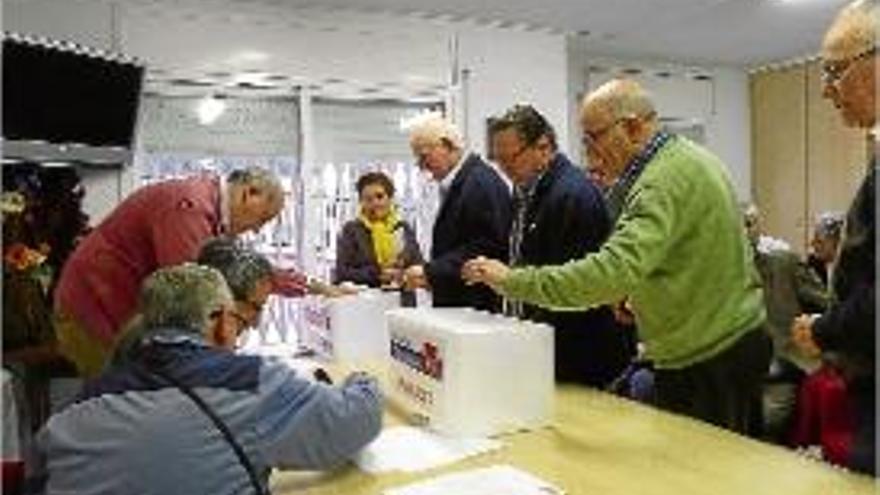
x,y
678,252
847,328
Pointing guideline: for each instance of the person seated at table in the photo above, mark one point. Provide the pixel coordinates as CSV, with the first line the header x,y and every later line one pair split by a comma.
x,y
248,274
823,245
185,414
377,246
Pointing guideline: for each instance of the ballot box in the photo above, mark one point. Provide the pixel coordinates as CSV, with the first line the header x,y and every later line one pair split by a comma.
x,y
465,372
348,328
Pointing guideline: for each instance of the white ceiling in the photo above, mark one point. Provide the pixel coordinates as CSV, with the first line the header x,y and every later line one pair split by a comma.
x,y
735,32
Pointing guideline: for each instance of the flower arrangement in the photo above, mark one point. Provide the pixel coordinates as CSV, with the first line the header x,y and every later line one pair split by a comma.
x,y
41,222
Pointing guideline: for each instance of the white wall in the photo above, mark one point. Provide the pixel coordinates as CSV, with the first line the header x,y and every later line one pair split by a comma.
x,y
508,67
720,104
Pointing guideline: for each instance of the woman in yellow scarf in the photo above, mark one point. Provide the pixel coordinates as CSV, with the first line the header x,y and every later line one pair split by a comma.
x,y
375,248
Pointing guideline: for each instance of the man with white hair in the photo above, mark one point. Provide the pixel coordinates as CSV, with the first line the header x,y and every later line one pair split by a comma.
x,y
473,220
183,414
847,328
678,252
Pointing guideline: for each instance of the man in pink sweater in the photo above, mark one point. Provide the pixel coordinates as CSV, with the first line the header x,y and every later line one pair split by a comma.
x,y
159,225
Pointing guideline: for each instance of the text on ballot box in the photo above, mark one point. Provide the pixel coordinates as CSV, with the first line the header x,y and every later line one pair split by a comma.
x,y
350,327
464,372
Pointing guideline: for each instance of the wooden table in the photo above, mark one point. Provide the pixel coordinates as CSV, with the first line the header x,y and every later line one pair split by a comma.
x,y
604,445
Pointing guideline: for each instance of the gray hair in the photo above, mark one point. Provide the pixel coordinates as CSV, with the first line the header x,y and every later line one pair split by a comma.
x,y
257,178
241,266
433,127
183,297
829,225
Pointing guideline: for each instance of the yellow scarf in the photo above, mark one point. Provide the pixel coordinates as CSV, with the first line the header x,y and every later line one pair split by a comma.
x,y
384,242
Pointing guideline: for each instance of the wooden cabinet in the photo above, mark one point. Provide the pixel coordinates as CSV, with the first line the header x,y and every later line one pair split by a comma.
x,y
805,161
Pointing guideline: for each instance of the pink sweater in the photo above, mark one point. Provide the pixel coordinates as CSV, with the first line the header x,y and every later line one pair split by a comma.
x,y
159,225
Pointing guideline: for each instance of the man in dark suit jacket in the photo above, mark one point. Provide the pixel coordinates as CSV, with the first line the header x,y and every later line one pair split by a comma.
x,y
559,215
474,215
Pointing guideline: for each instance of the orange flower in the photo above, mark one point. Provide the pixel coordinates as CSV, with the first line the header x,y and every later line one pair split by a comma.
x,y
21,257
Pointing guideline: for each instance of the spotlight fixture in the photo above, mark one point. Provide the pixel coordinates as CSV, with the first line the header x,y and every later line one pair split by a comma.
x,y
210,108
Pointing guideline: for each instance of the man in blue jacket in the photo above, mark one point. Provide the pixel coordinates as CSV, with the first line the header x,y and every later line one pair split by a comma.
x,y
474,215
559,215
184,414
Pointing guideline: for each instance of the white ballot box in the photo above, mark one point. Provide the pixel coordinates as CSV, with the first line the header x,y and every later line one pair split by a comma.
x,y
351,327
464,372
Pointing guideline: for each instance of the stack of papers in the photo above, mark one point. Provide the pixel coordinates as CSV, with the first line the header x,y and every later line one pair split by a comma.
x,y
494,479
409,449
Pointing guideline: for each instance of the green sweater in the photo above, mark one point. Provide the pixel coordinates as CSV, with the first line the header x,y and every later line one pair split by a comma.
x,y
678,251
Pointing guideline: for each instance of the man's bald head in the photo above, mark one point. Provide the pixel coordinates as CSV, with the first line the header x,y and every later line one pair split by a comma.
x,y
618,98
618,120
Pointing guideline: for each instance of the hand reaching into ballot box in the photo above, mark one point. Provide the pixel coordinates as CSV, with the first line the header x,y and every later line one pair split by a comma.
x,y
414,278
485,271
289,283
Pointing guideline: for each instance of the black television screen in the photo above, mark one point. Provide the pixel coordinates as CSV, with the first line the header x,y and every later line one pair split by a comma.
x,y
64,96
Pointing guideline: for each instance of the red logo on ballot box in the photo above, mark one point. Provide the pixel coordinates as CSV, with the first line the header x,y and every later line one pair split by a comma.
x,y
427,360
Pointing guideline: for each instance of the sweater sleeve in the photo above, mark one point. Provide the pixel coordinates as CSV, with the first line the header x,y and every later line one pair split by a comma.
x,y
637,246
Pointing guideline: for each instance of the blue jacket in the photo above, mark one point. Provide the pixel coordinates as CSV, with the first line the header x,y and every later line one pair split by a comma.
x,y
131,433
566,219
848,326
473,220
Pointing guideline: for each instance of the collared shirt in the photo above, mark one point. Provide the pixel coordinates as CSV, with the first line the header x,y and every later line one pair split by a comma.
x,y
446,182
522,200
616,194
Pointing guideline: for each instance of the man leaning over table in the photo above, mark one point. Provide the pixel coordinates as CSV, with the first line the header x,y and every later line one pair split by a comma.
x,y
678,252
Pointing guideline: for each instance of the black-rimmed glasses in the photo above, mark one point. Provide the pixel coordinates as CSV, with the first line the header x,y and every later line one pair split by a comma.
x,y
834,70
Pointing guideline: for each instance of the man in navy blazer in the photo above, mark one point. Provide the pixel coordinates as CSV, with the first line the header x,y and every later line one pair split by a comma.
x,y
473,219
559,215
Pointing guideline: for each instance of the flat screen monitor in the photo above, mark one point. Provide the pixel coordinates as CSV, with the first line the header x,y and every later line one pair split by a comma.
x,y
65,96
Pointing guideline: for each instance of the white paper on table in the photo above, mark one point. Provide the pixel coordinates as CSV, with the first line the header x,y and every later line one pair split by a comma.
x,y
404,448
491,480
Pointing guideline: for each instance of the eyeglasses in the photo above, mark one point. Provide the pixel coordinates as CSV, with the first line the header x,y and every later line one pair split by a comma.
x,y
589,138
592,137
833,71
243,323
513,156
422,151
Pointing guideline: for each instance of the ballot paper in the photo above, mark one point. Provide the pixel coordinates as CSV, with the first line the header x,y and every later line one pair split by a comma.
x,y
491,480
404,448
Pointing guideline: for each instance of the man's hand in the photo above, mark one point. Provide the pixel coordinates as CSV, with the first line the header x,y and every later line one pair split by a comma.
x,y
802,336
623,313
414,277
289,283
391,277
327,290
486,271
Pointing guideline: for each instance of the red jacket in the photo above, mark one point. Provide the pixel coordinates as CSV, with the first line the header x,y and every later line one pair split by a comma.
x,y
159,225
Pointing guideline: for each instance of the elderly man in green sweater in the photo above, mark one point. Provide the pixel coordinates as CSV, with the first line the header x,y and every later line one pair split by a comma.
x,y
678,252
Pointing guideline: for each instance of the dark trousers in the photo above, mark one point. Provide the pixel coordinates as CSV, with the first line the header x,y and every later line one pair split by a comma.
x,y
724,390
